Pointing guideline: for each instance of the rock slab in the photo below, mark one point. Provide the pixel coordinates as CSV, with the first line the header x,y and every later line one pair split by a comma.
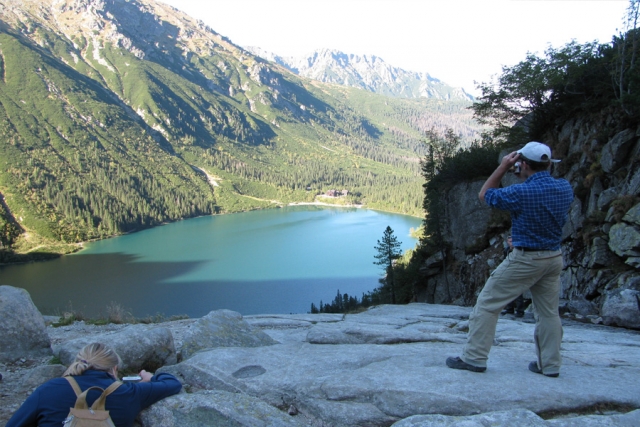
x,y
23,332
222,328
139,347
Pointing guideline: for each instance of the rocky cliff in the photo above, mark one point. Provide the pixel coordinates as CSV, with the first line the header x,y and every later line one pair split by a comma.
x,y
601,241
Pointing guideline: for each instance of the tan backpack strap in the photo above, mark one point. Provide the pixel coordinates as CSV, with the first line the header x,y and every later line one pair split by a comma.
x,y
81,401
74,385
102,400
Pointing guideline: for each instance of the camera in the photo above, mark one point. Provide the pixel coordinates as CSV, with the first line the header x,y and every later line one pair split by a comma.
x,y
516,169
132,379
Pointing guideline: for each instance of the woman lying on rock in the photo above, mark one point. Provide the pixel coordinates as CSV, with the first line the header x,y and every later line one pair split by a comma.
x,y
95,366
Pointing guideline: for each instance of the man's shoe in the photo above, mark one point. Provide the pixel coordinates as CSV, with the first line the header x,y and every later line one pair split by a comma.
x,y
519,314
457,363
533,367
507,311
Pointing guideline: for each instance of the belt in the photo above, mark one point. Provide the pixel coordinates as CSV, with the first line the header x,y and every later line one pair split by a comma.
x,y
522,248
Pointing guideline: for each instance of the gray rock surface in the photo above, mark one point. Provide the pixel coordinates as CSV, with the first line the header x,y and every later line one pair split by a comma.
x,y
467,218
630,419
41,374
139,346
624,240
222,328
615,152
376,368
387,364
22,329
519,418
622,308
633,215
216,408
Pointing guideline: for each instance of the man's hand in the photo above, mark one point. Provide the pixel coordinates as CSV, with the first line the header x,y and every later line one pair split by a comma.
x,y
494,180
509,160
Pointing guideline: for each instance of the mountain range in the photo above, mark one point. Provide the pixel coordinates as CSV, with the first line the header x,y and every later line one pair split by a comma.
x,y
367,72
116,115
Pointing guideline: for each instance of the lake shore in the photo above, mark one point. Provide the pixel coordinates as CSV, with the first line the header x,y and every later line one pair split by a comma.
x,y
336,205
71,248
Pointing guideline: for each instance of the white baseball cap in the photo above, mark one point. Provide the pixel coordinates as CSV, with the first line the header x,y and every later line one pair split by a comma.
x,y
537,152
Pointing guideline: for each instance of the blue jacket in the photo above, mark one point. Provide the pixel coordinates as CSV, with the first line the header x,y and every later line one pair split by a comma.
x,y
49,404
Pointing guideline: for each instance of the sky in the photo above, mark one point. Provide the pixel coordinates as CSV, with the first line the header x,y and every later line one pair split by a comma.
x,y
457,41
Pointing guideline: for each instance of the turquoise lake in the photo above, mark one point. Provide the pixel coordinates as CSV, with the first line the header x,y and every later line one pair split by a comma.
x,y
270,261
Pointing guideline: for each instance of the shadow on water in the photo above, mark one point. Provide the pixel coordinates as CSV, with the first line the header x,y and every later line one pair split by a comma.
x,y
88,283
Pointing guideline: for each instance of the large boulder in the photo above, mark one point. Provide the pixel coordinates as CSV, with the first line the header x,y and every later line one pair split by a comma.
x,y
139,347
622,308
222,328
217,408
633,215
23,332
600,255
624,241
40,375
582,307
615,152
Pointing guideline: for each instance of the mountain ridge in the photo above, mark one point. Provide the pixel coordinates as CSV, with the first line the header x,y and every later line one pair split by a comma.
x,y
367,72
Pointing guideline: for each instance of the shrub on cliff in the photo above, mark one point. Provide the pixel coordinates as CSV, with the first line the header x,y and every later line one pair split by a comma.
x,y
447,164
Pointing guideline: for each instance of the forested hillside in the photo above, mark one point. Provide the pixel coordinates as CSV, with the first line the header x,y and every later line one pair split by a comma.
x,y
118,115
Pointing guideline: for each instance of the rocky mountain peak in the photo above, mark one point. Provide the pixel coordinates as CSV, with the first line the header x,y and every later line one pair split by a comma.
x,y
142,27
367,72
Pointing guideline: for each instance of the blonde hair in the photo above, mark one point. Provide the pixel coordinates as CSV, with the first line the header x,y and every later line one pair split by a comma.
x,y
94,356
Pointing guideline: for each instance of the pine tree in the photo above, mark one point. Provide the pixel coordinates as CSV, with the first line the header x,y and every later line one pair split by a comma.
x,y
388,250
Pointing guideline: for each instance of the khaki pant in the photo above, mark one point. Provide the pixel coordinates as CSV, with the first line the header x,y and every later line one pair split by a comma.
x,y
537,271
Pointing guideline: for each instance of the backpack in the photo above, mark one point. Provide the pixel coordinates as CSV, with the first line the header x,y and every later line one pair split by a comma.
x,y
83,416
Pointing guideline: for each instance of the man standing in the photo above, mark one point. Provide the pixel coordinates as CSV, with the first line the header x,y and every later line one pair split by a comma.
x,y
539,208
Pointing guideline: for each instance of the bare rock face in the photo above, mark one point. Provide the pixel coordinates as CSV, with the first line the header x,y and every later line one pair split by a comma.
x,y
139,347
615,152
600,241
467,218
22,329
222,328
209,408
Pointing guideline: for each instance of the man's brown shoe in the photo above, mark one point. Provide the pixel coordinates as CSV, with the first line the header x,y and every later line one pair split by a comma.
x,y
457,363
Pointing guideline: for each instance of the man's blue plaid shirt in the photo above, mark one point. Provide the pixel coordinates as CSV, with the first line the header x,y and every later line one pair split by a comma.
x,y
539,208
